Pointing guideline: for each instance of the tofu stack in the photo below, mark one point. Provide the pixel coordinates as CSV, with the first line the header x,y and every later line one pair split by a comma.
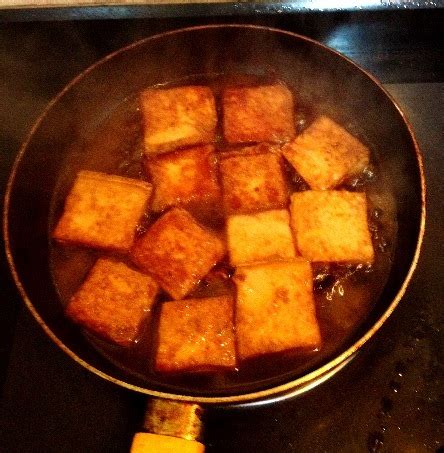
x,y
217,197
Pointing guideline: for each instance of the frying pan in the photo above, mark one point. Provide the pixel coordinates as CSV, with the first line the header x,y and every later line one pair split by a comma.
x,y
52,155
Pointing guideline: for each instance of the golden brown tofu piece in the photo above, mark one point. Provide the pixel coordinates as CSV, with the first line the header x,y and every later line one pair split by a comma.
x,y
325,154
113,301
275,310
265,236
184,178
258,114
252,183
331,226
196,335
177,117
178,252
102,211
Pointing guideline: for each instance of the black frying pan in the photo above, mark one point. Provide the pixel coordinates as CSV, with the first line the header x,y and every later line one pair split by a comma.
x,y
318,75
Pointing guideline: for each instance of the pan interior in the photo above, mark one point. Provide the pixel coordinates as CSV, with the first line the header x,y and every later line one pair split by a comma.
x,y
116,147
85,130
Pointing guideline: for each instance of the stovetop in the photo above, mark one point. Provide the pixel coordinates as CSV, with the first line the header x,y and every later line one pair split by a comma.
x,y
389,398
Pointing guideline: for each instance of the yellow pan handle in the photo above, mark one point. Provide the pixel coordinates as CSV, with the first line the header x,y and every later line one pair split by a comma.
x,y
158,443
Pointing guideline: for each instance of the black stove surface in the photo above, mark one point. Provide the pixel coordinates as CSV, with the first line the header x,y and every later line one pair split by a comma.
x,y
390,398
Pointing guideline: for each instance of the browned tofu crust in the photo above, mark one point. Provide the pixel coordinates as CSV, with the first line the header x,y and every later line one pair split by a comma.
x,y
275,310
177,117
184,178
178,252
325,154
196,335
331,226
265,236
113,301
252,183
258,114
260,148
102,211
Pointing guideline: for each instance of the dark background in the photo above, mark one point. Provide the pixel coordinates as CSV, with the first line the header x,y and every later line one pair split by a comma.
x,y
390,398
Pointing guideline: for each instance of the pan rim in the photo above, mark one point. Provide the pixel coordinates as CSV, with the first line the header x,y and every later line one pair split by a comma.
x,y
294,386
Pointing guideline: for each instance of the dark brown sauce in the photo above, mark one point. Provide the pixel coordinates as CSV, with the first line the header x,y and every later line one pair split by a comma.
x,y
344,294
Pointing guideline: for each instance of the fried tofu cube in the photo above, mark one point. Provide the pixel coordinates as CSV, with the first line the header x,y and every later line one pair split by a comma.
x,y
265,236
196,335
178,252
275,309
184,178
177,117
113,301
258,114
102,211
331,226
325,154
252,183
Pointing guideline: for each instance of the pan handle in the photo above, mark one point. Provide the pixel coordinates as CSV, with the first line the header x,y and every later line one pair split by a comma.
x,y
170,426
